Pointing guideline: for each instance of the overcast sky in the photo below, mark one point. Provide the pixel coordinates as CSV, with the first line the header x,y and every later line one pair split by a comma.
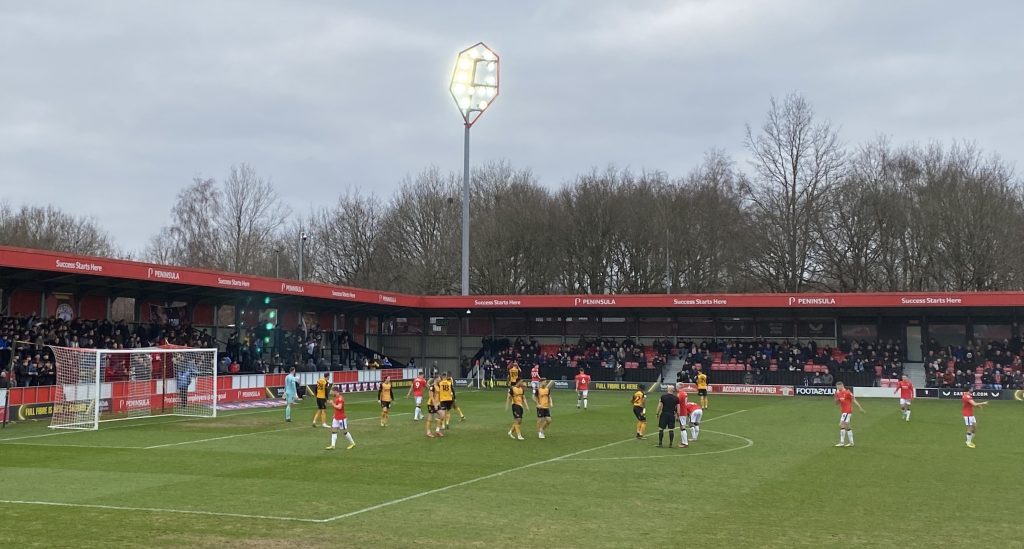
x,y
110,108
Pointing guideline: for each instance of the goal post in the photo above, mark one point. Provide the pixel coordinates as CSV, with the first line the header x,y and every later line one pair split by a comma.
x,y
96,385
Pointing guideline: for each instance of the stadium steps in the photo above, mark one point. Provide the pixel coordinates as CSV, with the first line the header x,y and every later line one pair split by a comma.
x,y
675,365
916,372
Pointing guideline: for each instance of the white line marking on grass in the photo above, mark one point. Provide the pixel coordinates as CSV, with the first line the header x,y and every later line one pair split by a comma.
x,y
680,454
72,445
147,421
154,510
470,481
225,437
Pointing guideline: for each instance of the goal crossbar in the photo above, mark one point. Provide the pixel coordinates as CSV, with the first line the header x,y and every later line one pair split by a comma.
x,y
98,385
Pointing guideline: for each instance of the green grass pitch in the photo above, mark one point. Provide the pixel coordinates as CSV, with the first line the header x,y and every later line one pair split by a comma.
x,y
764,474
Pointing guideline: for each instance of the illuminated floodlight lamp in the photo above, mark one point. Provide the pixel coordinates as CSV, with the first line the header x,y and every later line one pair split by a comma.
x,y
475,81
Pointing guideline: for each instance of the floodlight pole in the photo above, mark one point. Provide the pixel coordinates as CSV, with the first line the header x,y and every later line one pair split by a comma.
x,y
465,215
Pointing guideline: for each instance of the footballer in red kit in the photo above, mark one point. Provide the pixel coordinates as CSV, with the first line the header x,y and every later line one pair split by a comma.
x,y
846,400
968,410
906,390
340,422
535,377
582,388
416,392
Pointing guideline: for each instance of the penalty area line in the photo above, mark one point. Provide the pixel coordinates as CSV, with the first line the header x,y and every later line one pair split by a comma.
x,y
239,435
152,510
470,481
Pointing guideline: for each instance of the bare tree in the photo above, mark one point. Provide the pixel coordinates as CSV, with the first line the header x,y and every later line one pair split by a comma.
x,y
347,243
251,213
424,227
511,228
48,228
796,162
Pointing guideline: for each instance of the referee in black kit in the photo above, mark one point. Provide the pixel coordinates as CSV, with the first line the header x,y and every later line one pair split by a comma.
x,y
667,407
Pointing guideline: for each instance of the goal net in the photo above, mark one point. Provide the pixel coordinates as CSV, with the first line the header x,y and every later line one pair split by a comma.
x,y
95,385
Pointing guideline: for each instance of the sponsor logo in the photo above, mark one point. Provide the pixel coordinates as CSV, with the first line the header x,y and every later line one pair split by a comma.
x,y
559,384
497,302
613,385
599,301
165,275
812,301
931,300
343,294
700,301
461,382
79,266
250,394
978,393
775,390
815,391
234,282
294,288
926,393
388,299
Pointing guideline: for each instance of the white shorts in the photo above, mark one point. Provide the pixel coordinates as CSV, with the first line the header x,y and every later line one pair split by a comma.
x,y
584,393
845,418
905,402
969,420
696,415
419,400
534,385
340,424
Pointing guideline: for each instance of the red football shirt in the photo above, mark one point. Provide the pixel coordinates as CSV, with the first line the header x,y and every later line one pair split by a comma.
x,y
535,373
692,407
906,390
417,386
845,398
582,382
682,403
339,407
968,407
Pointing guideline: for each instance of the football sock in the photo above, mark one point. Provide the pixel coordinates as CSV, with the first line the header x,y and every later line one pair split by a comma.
x,y
849,435
334,438
661,436
288,411
842,436
584,404
671,436
970,437
682,437
348,437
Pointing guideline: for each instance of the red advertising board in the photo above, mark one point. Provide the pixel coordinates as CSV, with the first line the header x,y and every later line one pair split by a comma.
x,y
729,389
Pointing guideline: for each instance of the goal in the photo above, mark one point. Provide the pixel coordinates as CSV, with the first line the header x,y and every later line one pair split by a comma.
x,y
95,385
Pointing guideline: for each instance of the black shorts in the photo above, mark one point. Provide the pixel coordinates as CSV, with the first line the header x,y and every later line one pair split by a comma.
x,y
446,404
517,411
638,411
385,404
666,422
321,403
431,409
702,392
543,412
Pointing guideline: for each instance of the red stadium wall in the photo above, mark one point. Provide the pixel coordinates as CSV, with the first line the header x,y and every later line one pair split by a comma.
x,y
93,307
202,314
24,302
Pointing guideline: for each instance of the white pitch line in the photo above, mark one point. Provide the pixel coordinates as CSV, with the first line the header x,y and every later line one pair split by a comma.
x,y
244,435
748,444
143,423
72,445
154,510
468,482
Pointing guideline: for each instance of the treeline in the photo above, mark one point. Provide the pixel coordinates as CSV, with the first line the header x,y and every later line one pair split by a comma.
x,y
804,212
